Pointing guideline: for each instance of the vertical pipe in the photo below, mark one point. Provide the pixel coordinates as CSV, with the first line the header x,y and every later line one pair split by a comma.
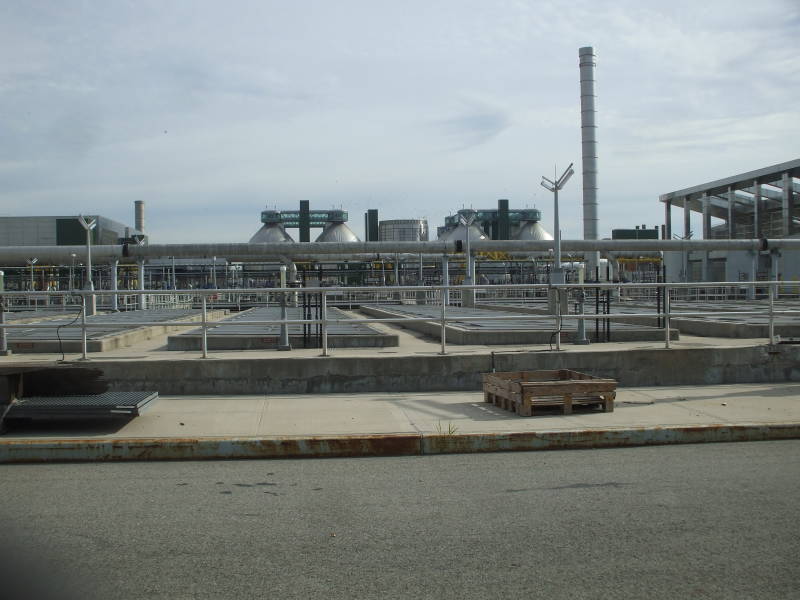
x,y
324,317
114,286
83,328
443,333
4,351
205,328
142,297
771,315
557,237
668,219
666,317
92,306
283,343
446,278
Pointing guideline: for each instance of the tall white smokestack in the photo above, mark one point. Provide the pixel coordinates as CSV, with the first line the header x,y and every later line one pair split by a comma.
x,y
139,215
587,61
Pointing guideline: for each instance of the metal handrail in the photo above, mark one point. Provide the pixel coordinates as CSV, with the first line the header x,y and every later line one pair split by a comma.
x,y
436,291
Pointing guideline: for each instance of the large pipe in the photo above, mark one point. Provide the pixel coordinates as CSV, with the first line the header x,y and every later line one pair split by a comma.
x,y
587,62
139,215
17,255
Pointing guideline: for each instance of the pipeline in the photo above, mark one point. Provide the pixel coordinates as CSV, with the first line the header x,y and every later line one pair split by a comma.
x,y
17,255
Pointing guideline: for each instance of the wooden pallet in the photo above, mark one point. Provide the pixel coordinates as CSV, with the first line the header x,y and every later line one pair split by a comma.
x,y
524,391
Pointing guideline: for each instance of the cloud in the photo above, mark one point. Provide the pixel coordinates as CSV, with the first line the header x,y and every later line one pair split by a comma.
x,y
475,127
413,108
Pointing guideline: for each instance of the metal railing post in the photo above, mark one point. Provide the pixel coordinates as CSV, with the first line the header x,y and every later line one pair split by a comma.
x,y
443,333
205,328
771,314
83,328
4,351
324,318
666,317
558,319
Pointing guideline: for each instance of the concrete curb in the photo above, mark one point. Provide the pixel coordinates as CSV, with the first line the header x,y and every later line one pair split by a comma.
x,y
139,449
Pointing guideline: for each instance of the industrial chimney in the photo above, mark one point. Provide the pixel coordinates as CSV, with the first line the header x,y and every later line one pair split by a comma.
x,y
139,215
587,61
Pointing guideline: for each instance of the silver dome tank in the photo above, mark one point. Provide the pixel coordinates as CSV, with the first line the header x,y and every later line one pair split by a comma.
x,y
271,233
337,232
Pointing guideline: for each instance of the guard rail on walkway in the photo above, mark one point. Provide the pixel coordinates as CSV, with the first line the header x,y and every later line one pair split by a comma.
x,y
441,296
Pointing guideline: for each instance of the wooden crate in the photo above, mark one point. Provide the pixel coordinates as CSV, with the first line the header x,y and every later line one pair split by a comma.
x,y
523,391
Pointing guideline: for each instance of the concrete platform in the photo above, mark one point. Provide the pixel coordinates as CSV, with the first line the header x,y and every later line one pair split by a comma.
x,y
727,326
538,329
239,333
266,426
112,335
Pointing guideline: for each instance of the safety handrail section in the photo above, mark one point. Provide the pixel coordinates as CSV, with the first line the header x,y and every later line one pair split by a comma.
x,y
439,295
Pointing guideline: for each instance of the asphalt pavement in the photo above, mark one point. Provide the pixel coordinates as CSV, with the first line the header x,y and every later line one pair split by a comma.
x,y
693,521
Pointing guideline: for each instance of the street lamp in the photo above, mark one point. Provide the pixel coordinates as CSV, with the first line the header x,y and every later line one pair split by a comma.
x,y
72,272
31,262
555,186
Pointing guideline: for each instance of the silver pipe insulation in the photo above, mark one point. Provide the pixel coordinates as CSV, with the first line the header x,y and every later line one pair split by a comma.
x,y
17,255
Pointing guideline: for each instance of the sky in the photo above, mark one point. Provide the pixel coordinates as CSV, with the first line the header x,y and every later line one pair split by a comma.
x,y
211,112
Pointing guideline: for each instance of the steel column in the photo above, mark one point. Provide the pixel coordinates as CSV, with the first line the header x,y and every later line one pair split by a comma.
x,y
786,205
687,233
756,209
706,235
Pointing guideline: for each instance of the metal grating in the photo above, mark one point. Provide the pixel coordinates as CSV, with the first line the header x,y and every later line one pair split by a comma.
x,y
108,404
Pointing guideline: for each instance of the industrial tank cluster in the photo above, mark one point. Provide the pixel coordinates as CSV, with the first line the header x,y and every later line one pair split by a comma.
x,y
497,224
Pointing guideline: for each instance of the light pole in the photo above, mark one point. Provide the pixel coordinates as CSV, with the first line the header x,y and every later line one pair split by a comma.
x,y
555,186
72,272
557,304
88,224
31,262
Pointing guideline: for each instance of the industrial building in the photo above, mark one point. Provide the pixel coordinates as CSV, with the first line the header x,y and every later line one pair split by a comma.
x,y
758,204
62,231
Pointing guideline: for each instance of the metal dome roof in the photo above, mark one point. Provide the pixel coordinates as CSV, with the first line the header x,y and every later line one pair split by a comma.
x,y
271,233
533,231
460,233
337,232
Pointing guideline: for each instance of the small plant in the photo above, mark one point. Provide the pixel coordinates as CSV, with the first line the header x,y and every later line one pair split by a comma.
x,y
451,429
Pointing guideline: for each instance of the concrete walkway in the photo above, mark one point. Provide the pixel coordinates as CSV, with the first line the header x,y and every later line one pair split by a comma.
x,y
197,427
